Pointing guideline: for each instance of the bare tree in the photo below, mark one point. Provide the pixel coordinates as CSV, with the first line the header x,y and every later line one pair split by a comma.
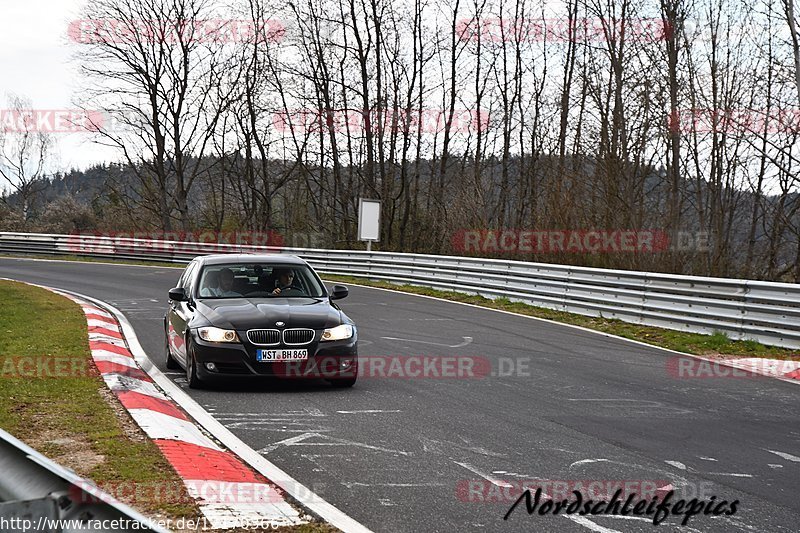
x,y
24,151
166,81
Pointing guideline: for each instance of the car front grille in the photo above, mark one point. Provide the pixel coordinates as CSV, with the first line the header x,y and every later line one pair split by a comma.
x,y
264,337
297,336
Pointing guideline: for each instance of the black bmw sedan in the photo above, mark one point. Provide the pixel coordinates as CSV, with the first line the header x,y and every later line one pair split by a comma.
x,y
258,315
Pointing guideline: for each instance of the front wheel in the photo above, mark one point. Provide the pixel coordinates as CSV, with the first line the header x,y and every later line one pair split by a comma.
x,y
192,378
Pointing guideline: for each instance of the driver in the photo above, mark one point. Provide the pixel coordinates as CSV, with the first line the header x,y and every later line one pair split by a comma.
x,y
211,287
226,284
285,279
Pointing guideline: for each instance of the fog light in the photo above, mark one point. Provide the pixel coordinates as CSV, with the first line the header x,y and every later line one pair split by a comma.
x,y
211,367
346,363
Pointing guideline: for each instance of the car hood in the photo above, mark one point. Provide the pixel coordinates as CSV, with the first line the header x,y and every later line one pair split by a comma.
x,y
263,313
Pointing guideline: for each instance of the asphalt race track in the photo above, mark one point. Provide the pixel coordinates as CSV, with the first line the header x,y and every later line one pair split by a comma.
x,y
393,452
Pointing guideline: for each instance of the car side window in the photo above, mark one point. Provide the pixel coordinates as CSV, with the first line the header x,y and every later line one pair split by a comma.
x,y
188,276
183,276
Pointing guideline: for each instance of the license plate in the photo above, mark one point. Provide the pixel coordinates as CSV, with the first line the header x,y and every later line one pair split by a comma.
x,y
281,355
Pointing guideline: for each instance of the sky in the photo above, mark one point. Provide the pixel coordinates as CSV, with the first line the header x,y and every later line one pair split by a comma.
x,y
36,63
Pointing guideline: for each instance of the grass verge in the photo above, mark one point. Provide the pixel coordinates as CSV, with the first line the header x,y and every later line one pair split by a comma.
x,y
53,399
693,343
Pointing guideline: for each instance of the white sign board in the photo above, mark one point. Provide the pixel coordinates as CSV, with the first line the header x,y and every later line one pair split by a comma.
x,y
369,220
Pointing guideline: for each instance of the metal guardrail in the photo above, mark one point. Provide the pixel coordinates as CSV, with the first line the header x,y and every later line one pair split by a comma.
x,y
37,494
742,309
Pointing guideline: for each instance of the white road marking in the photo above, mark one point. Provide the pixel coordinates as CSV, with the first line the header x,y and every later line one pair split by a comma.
x,y
286,442
580,520
624,517
774,465
330,441
467,340
512,474
707,458
368,411
431,445
484,475
730,474
736,522
676,464
282,427
350,485
587,461
605,400
787,456
305,412
588,524
428,319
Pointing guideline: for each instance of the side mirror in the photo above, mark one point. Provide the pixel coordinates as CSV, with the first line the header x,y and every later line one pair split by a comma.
x,y
339,292
178,294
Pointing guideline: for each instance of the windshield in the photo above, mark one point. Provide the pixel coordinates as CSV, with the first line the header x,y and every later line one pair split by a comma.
x,y
259,280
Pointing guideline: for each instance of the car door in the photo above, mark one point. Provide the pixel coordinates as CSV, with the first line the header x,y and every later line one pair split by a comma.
x,y
180,313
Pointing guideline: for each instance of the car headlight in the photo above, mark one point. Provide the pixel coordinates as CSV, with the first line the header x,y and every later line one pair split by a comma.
x,y
212,334
345,331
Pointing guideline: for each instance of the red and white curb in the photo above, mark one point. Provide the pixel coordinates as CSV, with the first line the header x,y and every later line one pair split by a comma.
x,y
228,492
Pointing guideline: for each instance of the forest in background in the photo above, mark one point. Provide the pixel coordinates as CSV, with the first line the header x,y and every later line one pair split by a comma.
x,y
675,115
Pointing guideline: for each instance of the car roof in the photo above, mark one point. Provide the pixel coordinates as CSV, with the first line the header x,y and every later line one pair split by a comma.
x,y
221,259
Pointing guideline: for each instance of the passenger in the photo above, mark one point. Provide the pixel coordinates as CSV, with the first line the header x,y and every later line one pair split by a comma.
x,y
285,279
211,285
266,283
226,284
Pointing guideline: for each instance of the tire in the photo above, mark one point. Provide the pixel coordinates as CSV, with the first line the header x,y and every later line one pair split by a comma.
x,y
172,364
345,382
192,378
